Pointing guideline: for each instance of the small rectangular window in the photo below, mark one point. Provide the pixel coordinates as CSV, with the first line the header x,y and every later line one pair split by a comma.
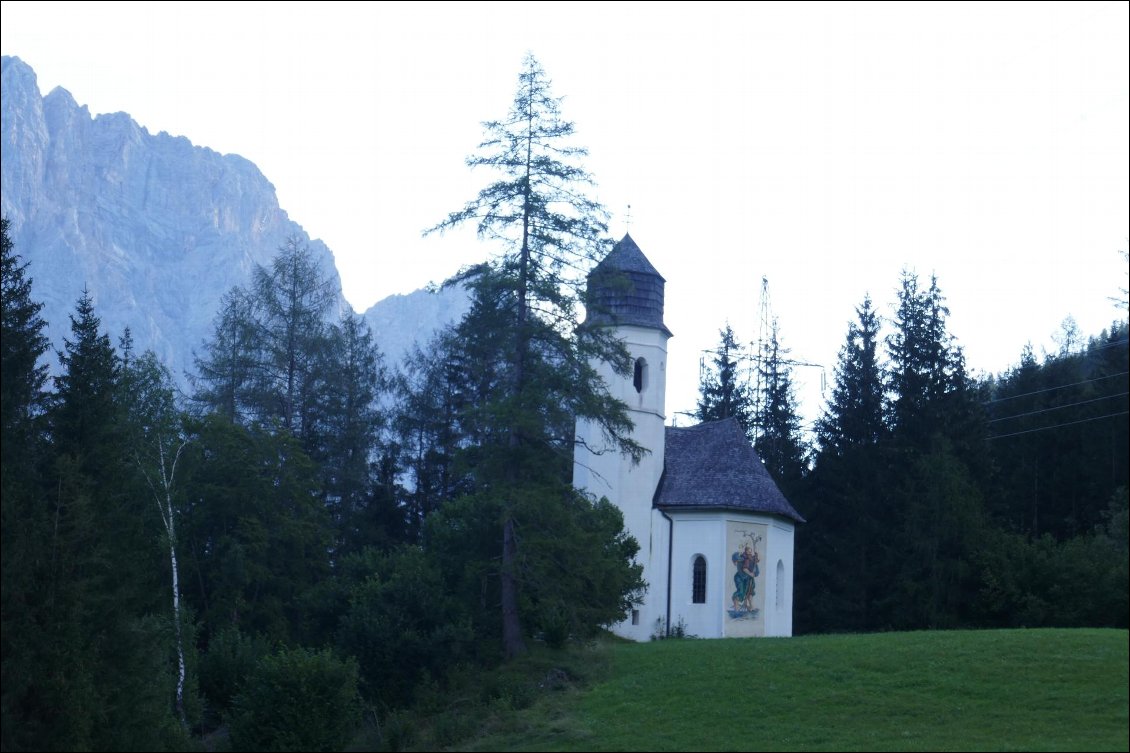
x,y
635,616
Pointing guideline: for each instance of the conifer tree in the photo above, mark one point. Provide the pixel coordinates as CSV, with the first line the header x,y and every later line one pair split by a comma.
x,y
842,557
107,667
779,441
549,234
934,499
256,535
294,298
276,359
433,395
25,522
925,365
229,365
22,345
343,433
854,414
722,393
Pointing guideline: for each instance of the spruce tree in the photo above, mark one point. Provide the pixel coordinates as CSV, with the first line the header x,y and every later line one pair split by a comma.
x,y
25,520
842,557
22,345
923,362
854,414
779,441
722,393
935,501
86,414
108,665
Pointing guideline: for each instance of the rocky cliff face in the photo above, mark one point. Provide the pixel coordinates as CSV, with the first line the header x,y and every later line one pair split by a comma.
x,y
157,229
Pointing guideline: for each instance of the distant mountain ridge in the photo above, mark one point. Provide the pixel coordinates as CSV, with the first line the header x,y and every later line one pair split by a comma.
x,y
157,229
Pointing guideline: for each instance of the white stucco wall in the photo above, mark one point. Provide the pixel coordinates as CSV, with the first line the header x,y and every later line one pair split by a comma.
x,y
631,487
705,533
698,534
779,580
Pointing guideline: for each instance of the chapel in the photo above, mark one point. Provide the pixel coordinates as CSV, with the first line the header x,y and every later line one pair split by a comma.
x,y
715,532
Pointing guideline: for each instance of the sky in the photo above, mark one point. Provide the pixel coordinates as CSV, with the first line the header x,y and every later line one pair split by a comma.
x,y
825,148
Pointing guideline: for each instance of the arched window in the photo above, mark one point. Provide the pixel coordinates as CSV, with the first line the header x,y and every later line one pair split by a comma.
x,y
698,581
780,584
639,379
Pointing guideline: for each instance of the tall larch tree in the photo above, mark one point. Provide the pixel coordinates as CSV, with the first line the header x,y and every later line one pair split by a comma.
x,y
549,233
294,299
344,433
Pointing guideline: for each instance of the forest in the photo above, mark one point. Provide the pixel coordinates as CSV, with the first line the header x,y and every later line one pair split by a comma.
x,y
310,534
936,500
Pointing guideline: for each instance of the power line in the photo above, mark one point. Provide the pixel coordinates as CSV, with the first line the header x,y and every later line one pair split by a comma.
x,y
1058,407
1059,387
1101,346
1059,426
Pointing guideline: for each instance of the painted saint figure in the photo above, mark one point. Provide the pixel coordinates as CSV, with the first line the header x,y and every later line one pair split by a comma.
x,y
747,570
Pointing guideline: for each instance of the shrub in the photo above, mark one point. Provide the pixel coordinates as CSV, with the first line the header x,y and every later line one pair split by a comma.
x,y
230,659
297,700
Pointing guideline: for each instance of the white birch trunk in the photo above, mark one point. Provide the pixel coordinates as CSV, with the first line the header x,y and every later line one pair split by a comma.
x,y
164,500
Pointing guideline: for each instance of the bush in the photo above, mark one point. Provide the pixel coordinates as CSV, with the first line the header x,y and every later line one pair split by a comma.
x,y
404,628
297,700
555,624
230,659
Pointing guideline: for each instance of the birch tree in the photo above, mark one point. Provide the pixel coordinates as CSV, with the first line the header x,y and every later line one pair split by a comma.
x,y
156,443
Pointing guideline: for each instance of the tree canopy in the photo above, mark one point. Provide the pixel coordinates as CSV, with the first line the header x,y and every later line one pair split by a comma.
x,y
548,233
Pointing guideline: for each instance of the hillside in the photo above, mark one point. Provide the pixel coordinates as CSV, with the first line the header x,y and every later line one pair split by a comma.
x,y
928,691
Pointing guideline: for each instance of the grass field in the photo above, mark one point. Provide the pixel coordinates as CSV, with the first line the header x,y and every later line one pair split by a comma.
x,y
931,691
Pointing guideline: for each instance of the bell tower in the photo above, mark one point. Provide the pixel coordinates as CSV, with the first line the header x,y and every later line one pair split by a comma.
x,y
625,294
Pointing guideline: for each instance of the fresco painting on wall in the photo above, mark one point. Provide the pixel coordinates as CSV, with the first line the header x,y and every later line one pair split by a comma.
x,y
745,542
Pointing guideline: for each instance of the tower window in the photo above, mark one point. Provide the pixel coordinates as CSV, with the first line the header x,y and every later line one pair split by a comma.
x,y
639,378
698,581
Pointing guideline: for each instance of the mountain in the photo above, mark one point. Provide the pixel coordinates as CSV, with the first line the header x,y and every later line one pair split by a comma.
x,y
156,228
400,321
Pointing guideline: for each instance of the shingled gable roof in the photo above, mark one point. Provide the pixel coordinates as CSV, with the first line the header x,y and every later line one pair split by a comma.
x,y
713,466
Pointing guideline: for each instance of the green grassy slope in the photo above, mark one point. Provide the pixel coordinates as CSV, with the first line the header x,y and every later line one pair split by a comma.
x,y
931,691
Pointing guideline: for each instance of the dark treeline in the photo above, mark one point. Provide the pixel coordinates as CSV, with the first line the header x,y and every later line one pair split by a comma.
x,y
309,534
163,555
935,500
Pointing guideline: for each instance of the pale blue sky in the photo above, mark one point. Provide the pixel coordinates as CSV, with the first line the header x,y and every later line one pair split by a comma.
x,y
824,146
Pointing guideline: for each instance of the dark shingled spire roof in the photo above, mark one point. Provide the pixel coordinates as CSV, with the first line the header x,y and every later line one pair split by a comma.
x,y
712,465
625,289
